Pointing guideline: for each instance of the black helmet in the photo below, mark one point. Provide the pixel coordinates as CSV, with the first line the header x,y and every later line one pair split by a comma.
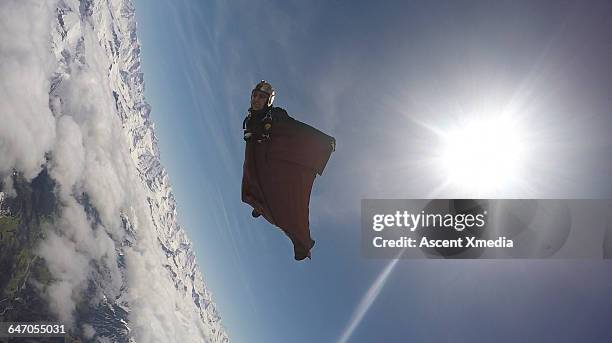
x,y
265,87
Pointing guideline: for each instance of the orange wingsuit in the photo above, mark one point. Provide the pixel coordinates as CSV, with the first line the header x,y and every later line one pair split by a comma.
x,y
279,172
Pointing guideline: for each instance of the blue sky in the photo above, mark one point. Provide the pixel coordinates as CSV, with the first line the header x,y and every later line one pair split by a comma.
x,y
382,79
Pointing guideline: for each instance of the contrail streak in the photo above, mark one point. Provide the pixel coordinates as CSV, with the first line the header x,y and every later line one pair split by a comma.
x,y
368,299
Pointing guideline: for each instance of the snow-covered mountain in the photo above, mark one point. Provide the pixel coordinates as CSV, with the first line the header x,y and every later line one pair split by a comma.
x,y
81,176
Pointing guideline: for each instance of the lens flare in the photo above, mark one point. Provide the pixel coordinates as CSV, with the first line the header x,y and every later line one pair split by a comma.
x,y
482,155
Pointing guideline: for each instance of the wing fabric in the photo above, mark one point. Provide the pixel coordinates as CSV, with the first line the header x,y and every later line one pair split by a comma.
x,y
278,176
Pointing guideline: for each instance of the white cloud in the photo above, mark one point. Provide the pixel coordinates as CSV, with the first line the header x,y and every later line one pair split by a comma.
x,y
28,126
70,270
88,331
79,129
68,155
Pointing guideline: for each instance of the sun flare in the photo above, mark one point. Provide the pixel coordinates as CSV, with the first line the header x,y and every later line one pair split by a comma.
x,y
482,155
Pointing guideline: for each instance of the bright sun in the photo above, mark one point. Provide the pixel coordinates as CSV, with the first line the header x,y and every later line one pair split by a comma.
x,y
482,155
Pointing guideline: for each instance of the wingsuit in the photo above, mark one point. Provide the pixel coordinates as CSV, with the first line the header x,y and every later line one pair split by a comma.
x,y
281,160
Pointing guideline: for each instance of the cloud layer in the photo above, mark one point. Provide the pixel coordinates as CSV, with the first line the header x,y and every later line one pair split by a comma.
x,y
60,110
